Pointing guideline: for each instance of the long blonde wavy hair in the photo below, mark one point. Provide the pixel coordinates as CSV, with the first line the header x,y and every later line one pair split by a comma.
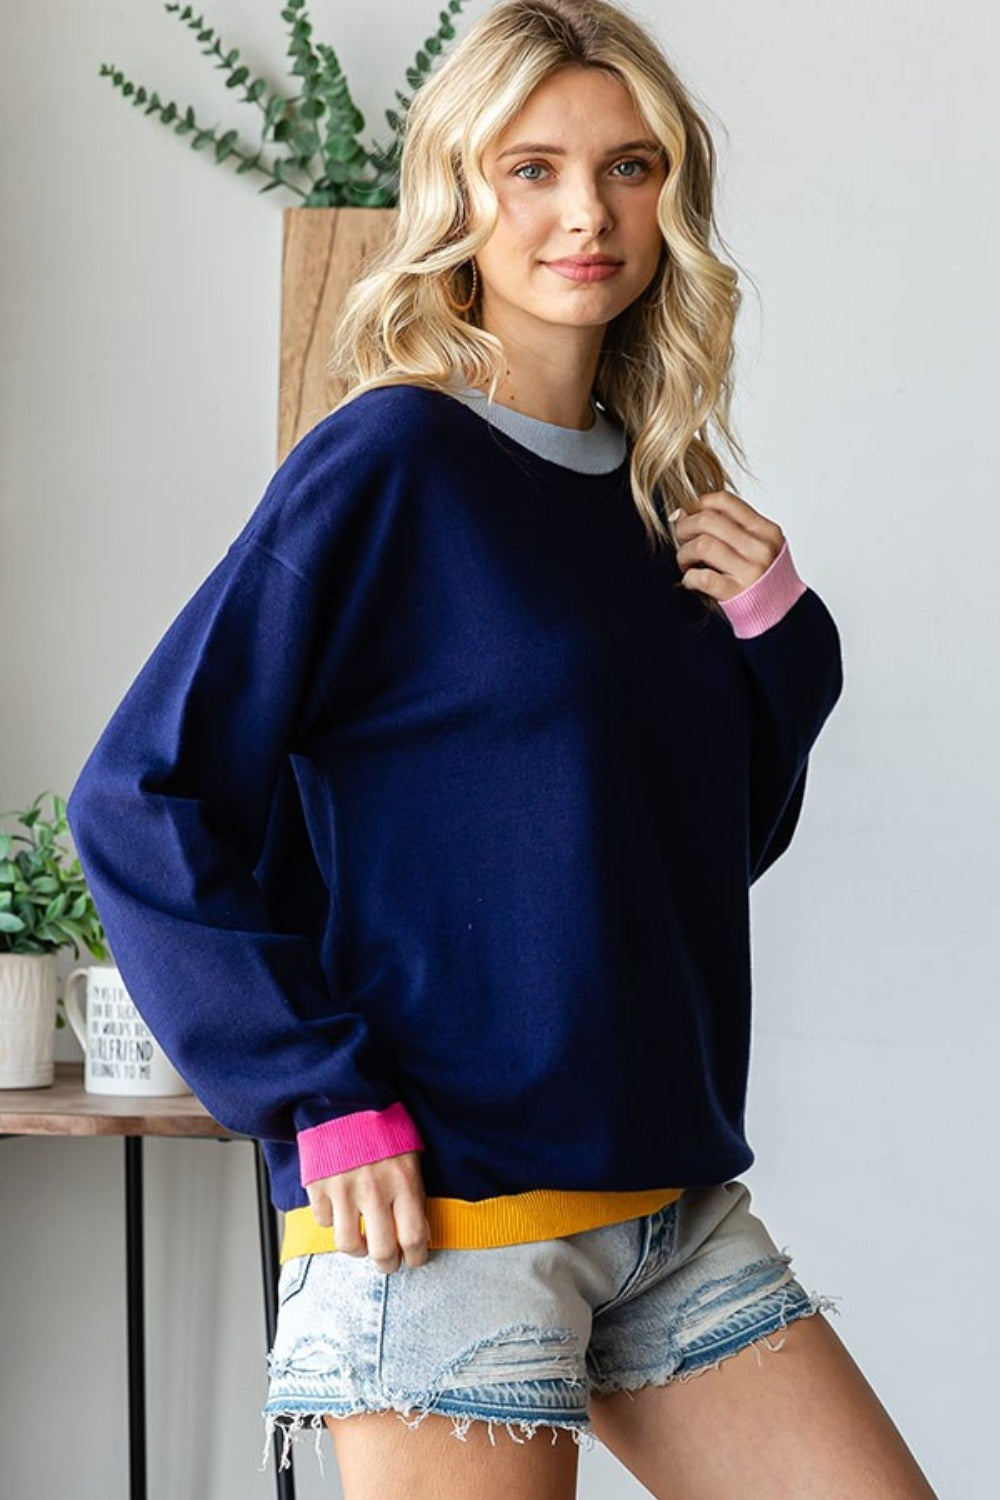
x,y
665,363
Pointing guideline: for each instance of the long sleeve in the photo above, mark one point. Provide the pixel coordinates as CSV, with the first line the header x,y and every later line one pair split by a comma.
x,y
172,813
381,834
791,647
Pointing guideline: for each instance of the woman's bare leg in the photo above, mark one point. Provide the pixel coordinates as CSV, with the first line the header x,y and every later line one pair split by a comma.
x,y
796,1423
380,1458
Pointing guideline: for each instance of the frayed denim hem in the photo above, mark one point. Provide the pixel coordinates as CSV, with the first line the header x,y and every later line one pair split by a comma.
x,y
292,1423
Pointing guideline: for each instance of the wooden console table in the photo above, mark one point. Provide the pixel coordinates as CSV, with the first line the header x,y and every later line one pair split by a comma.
x,y
65,1108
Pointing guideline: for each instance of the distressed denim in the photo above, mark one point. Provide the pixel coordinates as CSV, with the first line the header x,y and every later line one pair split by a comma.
x,y
522,1334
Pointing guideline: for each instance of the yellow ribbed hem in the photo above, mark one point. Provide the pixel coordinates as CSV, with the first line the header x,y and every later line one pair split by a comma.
x,y
457,1224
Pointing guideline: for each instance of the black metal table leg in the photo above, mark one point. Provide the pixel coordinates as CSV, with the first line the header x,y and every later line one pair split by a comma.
x,y
284,1478
135,1305
135,1285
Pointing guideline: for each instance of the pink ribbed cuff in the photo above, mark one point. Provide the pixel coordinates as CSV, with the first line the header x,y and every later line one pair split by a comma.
x,y
355,1140
766,600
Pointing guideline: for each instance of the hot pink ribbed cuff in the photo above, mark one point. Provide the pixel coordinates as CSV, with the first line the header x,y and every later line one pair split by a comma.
x,y
355,1140
766,600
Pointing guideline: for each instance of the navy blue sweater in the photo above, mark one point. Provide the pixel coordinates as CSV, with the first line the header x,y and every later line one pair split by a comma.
x,y
439,803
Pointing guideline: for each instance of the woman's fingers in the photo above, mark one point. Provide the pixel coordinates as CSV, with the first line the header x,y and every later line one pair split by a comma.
x,y
707,550
725,503
380,1234
376,1210
725,545
319,1200
347,1233
412,1229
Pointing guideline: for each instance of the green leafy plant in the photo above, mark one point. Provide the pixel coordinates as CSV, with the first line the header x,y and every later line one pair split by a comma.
x,y
323,161
44,900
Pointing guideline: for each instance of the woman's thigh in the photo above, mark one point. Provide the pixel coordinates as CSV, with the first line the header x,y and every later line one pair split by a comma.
x,y
717,1377
794,1420
475,1359
380,1458
515,1338
593,1335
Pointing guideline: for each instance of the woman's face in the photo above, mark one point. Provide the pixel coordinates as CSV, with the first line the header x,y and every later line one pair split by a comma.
x,y
566,187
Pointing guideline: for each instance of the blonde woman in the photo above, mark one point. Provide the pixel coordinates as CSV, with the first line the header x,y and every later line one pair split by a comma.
x,y
424,838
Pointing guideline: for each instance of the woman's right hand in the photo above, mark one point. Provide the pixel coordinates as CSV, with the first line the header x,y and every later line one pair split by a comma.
x,y
390,1194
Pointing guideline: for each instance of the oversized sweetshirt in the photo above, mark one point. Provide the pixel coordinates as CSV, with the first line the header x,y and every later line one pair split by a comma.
x,y
430,824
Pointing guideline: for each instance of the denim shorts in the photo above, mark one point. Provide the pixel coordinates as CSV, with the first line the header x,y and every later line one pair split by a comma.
x,y
522,1334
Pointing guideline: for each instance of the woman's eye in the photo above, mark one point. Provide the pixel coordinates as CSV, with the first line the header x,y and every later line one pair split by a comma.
x,y
632,161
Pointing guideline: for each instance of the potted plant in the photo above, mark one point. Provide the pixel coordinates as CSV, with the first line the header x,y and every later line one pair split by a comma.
x,y
45,905
309,144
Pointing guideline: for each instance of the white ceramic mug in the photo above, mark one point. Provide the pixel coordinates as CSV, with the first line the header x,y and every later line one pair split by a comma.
x,y
122,1055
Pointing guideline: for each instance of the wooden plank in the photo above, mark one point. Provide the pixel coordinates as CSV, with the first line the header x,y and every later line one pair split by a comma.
x,y
324,252
65,1108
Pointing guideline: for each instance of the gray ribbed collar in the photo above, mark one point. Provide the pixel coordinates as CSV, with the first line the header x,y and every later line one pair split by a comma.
x,y
599,450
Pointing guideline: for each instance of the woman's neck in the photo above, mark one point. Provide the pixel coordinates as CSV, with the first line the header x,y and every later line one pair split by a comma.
x,y
551,383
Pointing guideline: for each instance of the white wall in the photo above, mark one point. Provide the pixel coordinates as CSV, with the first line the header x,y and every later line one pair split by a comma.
x,y
140,289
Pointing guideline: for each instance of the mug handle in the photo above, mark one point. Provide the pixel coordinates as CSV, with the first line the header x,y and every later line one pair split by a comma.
x,y
73,1013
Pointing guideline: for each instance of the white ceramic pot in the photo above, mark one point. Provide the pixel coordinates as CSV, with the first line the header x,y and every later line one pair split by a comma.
x,y
27,1020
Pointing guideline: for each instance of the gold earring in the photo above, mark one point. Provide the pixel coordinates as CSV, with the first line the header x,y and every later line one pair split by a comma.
x,y
461,306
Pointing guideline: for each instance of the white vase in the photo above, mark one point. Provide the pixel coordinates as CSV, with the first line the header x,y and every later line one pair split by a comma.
x,y
27,1020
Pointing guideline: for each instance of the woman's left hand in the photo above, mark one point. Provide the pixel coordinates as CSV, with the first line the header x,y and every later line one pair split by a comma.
x,y
725,545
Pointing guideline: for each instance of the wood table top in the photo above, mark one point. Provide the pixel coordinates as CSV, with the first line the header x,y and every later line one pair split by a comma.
x,y
65,1108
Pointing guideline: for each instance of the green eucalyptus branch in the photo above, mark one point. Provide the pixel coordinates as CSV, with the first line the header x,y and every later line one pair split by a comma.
x,y
324,162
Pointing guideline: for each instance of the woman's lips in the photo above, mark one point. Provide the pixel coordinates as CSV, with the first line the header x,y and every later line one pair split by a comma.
x,y
577,271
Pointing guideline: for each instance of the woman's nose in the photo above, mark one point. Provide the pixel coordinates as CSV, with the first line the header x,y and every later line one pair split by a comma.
x,y
585,207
